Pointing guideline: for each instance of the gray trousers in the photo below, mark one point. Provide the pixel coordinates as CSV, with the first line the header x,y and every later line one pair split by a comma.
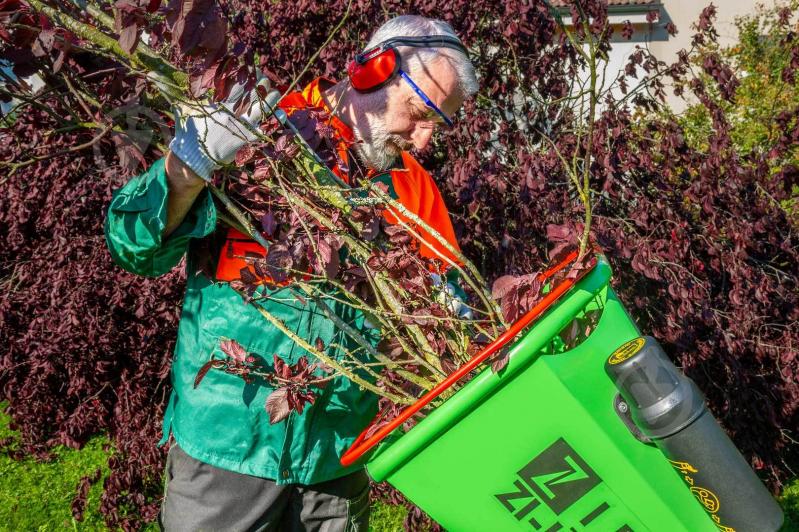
x,y
199,496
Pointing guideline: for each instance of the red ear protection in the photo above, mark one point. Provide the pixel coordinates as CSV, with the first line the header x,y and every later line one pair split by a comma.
x,y
369,73
373,68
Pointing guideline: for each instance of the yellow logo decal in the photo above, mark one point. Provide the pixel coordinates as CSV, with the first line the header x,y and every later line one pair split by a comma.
x,y
683,467
707,498
626,351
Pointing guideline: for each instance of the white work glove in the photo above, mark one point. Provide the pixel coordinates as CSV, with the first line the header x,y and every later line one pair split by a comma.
x,y
212,135
447,295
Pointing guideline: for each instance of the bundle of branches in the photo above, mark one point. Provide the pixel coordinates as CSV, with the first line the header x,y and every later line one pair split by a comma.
x,y
324,234
319,231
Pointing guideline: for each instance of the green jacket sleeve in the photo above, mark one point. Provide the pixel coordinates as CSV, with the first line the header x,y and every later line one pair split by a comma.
x,y
137,217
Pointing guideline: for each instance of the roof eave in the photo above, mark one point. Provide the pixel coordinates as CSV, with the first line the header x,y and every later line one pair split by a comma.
x,y
621,9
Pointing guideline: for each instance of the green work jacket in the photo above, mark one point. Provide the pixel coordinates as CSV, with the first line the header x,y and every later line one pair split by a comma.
x,y
223,421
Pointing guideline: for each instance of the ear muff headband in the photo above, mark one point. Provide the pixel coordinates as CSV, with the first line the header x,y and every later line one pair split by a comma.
x,y
374,68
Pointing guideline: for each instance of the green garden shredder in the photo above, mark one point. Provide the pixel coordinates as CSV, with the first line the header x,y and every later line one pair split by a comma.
x,y
606,436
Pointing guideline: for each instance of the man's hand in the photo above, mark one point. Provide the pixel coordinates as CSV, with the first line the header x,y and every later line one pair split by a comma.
x,y
211,137
451,297
204,141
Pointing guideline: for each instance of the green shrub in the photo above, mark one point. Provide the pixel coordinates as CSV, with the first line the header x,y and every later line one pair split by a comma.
x,y
765,48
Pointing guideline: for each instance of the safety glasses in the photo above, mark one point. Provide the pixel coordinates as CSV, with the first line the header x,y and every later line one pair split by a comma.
x,y
424,98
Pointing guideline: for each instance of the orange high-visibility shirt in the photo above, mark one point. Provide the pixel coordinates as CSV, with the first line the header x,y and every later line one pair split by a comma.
x,y
413,185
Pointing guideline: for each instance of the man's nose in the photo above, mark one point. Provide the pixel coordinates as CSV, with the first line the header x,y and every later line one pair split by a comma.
x,y
421,136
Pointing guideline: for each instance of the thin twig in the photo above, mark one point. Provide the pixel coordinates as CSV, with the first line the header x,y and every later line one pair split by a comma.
x,y
16,166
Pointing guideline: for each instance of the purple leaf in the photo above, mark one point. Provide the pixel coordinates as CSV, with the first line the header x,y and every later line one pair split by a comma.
x,y
44,43
203,81
129,38
501,360
329,253
559,233
233,349
282,369
247,276
203,371
503,286
571,333
277,405
268,223
282,143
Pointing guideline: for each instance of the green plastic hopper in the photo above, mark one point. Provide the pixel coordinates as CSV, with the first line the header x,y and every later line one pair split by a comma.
x,y
540,446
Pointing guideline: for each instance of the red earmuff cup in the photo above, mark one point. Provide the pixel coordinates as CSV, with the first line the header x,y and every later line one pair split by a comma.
x,y
375,72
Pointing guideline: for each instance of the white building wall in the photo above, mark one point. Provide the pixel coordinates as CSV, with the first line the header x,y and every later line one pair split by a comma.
x,y
683,14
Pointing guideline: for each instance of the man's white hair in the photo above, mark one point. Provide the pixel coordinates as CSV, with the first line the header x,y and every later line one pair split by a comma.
x,y
414,60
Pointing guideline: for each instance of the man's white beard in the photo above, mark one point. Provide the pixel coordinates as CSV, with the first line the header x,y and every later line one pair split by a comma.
x,y
381,149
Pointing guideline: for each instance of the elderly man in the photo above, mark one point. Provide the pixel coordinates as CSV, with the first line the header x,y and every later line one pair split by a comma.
x,y
228,468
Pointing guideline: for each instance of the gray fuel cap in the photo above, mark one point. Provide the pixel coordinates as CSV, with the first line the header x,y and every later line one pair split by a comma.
x,y
662,400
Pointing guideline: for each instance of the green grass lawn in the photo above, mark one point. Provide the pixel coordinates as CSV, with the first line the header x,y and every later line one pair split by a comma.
x,y
37,496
